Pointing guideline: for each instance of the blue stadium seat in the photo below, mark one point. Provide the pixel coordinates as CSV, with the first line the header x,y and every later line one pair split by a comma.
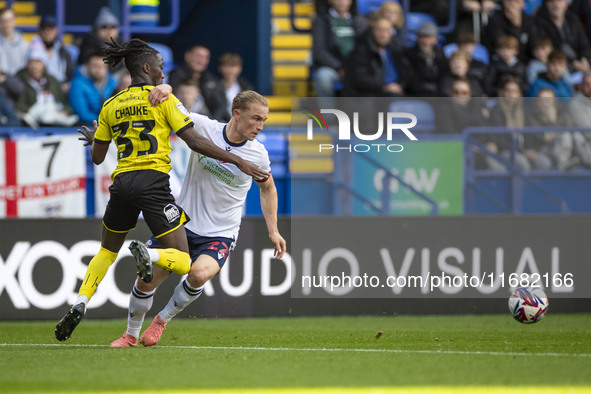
x,y
74,51
276,145
480,52
167,56
421,109
531,6
366,7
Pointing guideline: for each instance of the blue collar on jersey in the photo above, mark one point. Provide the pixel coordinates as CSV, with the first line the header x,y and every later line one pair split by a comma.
x,y
232,143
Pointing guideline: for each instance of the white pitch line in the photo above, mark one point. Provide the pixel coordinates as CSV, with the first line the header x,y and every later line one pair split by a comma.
x,y
344,350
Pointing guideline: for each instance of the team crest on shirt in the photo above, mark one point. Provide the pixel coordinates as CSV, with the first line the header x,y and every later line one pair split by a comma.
x,y
182,108
172,212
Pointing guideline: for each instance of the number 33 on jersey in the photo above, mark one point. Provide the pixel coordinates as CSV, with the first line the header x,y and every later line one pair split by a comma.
x,y
141,132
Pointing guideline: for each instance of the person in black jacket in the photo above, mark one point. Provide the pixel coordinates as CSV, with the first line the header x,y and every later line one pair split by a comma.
x,y
333,37
512,20
374,68
426,61
195,68
563,27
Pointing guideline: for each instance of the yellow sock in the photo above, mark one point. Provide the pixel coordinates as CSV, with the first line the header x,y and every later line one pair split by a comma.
x,y
96,271
174,260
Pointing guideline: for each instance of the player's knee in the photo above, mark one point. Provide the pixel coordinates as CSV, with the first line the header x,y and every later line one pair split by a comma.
x,y
199,275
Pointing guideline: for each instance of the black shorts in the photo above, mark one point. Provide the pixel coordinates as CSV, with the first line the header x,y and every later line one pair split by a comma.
x,y
217,247
146,191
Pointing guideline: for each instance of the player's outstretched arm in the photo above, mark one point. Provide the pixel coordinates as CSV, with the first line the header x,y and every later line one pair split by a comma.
x,y
204,146
269,208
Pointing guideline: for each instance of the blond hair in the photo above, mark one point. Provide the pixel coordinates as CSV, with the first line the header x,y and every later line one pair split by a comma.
x,y
245,98
392,6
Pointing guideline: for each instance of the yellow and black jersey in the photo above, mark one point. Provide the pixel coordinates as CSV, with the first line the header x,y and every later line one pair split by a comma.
x,y
141,132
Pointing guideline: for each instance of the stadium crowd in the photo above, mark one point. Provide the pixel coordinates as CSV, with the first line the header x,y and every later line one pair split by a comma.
x,y
528,48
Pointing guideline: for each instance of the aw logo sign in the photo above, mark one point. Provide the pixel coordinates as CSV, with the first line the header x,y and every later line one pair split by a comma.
x,y
348,129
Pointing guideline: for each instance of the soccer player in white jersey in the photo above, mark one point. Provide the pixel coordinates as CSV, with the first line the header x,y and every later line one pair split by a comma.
x,y
213,195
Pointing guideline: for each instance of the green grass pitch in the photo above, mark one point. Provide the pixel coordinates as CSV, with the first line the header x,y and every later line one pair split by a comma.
x,y
491,353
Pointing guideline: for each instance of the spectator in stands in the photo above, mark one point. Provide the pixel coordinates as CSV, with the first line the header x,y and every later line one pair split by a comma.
x,y
564,29
554,77
580,105
91,87
333,38
195,68
123,81
509,112
43,102
582,8
11,87
505,61
512,20
374,68
467,43
462,110
427,62
580,110
394,12
188,93
549,149
230,67
59,62
459,65
13,47
106,26
8,116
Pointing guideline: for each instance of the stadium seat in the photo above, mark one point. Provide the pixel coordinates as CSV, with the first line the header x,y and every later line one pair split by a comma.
x,y
167,56
366,7
531,6
480,52
276,145
73,50
421,109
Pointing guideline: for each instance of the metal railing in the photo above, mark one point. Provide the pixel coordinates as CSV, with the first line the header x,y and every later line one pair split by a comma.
x,y
126,29
517,177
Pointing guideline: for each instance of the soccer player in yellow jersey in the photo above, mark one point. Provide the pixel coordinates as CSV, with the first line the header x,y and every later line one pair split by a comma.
x,y
140,181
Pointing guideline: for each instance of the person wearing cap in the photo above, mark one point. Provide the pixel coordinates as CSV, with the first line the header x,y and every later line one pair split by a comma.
x,y
43,102
13,47
427,62
58,63
106,26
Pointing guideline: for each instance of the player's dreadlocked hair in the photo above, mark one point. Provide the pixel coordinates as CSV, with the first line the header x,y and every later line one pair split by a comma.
x,y
135,53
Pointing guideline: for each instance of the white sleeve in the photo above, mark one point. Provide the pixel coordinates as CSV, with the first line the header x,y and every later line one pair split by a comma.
x,y
202,122
264,162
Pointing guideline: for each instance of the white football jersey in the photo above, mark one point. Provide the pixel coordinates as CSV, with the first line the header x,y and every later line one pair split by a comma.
x,y
214,192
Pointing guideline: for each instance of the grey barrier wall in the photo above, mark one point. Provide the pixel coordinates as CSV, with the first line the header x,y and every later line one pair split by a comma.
x,y
42,263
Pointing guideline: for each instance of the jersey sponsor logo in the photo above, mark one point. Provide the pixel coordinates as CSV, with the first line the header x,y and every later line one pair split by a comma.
x,y
133,110
172,212
182,108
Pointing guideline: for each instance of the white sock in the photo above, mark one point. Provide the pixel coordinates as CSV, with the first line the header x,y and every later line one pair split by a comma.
x,y
182,297
139,304
154,255
81,299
